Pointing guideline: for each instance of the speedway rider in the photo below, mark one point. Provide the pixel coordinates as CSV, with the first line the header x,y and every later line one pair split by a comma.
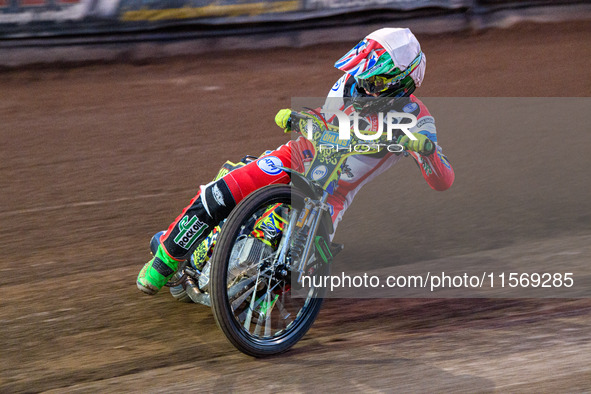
x,y
387,63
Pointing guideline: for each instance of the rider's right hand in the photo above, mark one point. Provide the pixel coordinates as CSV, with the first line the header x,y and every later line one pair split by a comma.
x,y
282,119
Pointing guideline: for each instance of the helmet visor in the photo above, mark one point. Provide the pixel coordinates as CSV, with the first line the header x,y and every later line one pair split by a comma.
x,y
376,84
380,83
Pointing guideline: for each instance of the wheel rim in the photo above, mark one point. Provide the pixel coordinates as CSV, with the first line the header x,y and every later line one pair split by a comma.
x,y
258,292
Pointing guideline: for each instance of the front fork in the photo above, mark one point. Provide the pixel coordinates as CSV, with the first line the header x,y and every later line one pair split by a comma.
x,y
302,229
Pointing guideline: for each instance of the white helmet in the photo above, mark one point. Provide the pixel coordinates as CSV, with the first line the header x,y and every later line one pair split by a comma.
x,y
388,62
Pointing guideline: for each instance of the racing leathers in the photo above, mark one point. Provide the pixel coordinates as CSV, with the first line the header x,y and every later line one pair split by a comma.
x,y
214,202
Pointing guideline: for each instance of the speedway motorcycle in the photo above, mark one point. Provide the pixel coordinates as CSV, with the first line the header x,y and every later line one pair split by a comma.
x,y
256,270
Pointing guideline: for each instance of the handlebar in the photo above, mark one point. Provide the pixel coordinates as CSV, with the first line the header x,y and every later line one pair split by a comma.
x,y
297,116
429,145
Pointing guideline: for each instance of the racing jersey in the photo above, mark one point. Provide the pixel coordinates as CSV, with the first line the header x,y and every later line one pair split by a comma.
x,y
360,169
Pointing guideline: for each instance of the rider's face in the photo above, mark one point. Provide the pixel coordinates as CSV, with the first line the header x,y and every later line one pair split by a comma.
x,y
371,94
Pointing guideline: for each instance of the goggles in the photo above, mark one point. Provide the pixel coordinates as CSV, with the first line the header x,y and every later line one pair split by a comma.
x,y
380,83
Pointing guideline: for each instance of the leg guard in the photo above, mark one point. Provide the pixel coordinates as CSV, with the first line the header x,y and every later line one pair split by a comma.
x,y
216,200
211,205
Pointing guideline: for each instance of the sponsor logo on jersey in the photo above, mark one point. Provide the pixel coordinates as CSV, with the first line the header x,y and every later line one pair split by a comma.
x,y
269,165
410,107
425,120
337,85
319,172
190,230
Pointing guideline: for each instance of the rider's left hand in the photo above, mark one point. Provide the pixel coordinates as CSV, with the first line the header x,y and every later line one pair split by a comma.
x,y
422,145
282,119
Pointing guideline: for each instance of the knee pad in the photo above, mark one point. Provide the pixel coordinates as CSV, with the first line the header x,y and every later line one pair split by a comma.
x,y
217,200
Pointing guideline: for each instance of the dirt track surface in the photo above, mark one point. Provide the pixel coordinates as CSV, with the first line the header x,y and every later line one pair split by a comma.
x,y
98,158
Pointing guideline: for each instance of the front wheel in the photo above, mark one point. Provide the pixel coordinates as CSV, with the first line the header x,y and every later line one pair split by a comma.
x,y
253,301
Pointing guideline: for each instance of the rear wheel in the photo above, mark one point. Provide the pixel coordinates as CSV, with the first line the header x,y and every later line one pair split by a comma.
x,y
253,301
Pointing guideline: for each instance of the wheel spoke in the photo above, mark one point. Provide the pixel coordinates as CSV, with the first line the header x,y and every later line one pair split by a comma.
x,y
257,308
238,301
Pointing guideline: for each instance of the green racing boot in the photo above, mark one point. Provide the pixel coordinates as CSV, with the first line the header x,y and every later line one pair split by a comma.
x,y
156,272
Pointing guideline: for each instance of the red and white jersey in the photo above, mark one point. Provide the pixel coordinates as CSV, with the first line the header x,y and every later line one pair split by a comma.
x,y
361,169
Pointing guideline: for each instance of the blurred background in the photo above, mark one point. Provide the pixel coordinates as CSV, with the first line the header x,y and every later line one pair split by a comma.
x,y
82,30
112,113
